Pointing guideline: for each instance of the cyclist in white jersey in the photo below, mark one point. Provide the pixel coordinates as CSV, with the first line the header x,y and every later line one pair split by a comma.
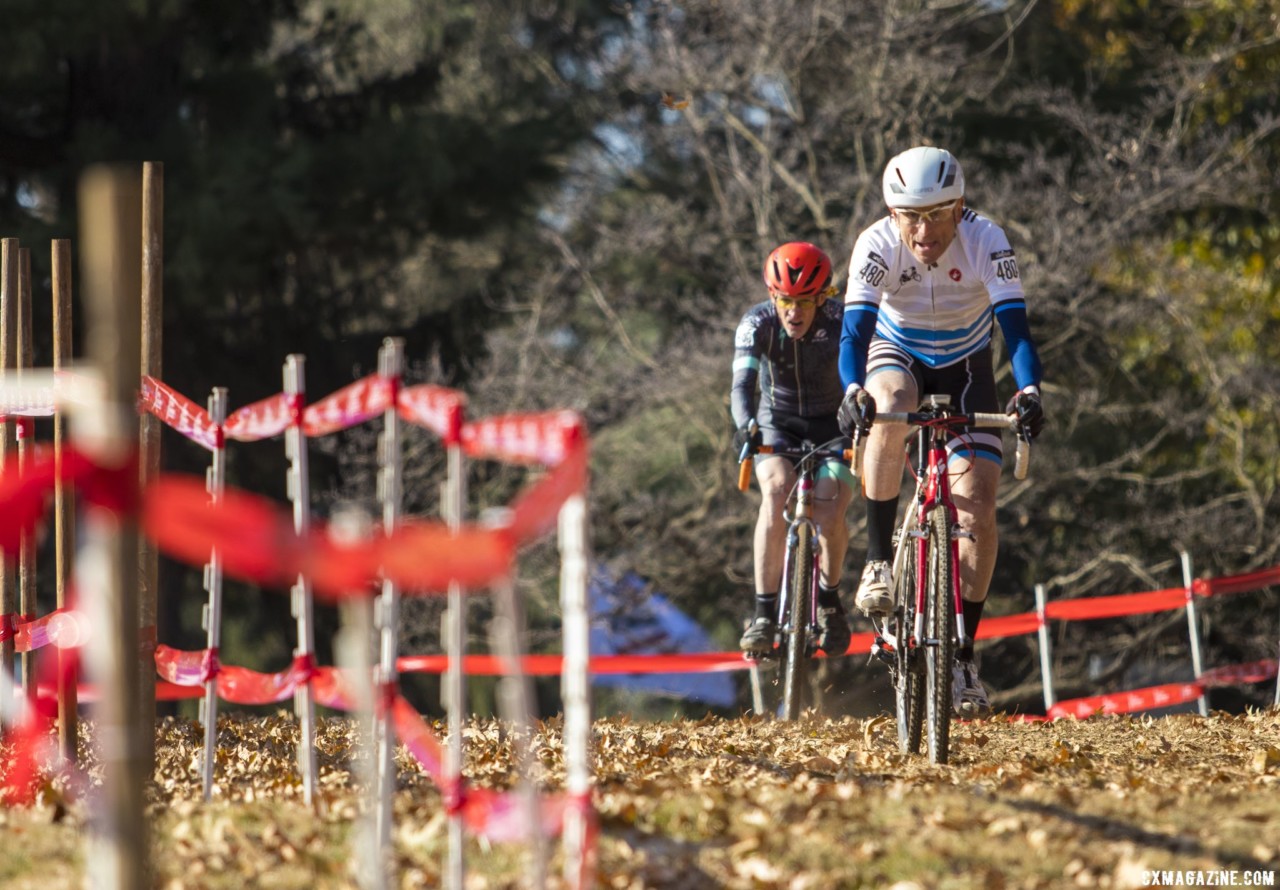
x,y
925,285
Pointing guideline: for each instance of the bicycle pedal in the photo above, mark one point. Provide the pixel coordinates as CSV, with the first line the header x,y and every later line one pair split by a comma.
x,y
761,656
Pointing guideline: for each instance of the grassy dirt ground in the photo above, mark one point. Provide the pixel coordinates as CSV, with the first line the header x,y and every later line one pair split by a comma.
x,y
748,803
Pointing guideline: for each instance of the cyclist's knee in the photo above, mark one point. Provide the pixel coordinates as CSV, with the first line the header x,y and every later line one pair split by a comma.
x,y
894,389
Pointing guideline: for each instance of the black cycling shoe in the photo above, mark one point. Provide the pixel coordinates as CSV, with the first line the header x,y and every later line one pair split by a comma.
x,y
759,636
834,634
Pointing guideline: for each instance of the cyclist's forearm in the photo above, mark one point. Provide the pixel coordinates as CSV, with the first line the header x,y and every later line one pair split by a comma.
x,y
742,394
1012,316
855,339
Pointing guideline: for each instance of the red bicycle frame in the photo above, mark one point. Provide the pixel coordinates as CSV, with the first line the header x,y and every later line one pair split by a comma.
x,y
936,491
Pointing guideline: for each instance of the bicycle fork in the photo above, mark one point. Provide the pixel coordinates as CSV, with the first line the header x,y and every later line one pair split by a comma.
x,y
923,533
800,524
957,597
938,494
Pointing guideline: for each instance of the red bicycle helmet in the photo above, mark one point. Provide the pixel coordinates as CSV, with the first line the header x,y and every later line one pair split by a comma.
x,y
798,269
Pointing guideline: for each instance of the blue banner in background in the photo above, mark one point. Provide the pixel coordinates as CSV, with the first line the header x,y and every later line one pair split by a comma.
x,y
629,618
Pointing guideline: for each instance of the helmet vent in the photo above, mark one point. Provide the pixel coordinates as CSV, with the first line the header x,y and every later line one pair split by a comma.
x,y
797,269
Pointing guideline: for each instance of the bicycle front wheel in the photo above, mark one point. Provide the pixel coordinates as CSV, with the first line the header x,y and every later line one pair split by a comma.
x,y
940,623
908,679
797,587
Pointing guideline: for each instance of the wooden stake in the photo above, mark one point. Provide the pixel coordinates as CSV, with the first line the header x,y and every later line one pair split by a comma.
x,y
149,435
110,227
63,498
24,427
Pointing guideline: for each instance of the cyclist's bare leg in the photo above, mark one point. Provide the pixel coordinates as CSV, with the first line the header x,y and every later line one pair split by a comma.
x,y
831,505
973,489
775,476
894,390
884,460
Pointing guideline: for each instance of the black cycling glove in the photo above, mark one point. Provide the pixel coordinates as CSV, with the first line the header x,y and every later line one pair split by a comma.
x,y
746,435
857,411
1029,410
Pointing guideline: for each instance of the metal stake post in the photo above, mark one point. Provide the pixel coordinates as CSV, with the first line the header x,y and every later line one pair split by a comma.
x,y
576,686
1193,626
215,481
8,446
516,699
295,446
390,492
456,647
353,649
1046,653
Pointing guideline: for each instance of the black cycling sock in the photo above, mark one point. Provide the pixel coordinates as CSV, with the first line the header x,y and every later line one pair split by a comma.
x,y
972,615
882,516
767,606
829,596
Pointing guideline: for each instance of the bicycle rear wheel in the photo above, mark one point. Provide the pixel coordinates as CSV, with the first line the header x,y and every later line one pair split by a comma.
x,y
908,680
797,589
940,624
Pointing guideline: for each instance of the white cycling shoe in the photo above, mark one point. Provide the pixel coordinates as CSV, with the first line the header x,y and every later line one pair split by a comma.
x,y
873,597
968,695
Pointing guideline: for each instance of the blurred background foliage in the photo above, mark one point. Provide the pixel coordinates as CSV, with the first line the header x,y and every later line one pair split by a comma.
x,y
564,203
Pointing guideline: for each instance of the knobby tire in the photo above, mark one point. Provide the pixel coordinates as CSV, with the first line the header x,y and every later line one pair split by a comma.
x,y
798,582
908,680
940,626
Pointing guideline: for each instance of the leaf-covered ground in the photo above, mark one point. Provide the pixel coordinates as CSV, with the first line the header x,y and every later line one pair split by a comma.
x,y
748,803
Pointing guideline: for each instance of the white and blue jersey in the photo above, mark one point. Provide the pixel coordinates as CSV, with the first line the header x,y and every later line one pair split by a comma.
x,y
940,313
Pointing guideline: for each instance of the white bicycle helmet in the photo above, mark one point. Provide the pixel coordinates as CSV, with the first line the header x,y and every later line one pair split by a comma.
x,y
921,177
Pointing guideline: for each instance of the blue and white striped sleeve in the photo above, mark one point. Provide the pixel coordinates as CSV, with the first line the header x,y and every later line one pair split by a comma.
x,y
1012,315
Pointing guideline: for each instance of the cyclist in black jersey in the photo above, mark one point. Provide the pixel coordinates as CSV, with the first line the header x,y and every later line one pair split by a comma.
x,y
786,378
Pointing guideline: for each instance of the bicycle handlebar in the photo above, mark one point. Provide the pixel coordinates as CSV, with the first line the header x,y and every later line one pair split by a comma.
x,y
820,453
745,460
1022,455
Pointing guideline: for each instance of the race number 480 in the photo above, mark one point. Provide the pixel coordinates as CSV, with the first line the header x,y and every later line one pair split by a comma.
x,y
1007,269
873,273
